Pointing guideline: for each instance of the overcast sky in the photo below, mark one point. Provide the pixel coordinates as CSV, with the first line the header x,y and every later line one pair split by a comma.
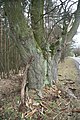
x,y
77,38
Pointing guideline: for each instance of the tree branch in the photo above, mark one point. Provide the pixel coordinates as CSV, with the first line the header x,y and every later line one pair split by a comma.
x,y
76,23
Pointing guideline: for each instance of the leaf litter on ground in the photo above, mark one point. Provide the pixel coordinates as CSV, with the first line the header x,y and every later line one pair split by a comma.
x,y
57,102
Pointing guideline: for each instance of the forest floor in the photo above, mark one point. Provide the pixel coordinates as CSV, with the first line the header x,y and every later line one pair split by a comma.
x,y
59,102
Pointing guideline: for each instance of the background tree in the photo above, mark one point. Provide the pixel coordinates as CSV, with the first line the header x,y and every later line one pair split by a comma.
x,y
76,51
70,26
8,58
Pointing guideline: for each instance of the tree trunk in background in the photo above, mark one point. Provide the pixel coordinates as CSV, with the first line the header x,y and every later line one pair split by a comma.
x,y
69,34
54,66
63,48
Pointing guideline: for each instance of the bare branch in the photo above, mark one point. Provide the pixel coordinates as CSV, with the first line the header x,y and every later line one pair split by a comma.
x,y
72,5
50,11
76,23
54,26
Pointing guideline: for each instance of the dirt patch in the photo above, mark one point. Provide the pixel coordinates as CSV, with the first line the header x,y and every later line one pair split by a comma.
x,y
8,86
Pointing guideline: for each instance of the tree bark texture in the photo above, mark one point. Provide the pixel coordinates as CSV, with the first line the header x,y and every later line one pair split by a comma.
x,y
31,43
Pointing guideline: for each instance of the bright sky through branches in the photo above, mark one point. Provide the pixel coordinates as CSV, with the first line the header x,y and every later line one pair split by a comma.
x,y
76,38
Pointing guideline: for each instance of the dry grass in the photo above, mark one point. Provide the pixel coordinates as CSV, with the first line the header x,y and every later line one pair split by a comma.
x,y
67,70
69,76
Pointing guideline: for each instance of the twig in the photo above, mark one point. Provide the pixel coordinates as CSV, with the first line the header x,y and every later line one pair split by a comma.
x,y
57,115
76,110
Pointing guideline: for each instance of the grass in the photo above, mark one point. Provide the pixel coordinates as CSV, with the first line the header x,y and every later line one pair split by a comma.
x,y
67,70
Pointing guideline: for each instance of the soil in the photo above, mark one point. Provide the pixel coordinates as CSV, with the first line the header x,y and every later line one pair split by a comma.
x,y
9,86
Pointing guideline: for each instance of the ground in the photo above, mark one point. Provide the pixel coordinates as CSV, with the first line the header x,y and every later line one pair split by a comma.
x,y
69,75
59,102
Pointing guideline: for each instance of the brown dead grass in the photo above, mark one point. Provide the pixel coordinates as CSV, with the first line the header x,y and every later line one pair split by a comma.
x,y
68,70
69,76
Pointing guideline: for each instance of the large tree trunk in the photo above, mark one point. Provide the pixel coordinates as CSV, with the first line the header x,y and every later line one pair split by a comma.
x,y
23,38
31,46
50,68
36,70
